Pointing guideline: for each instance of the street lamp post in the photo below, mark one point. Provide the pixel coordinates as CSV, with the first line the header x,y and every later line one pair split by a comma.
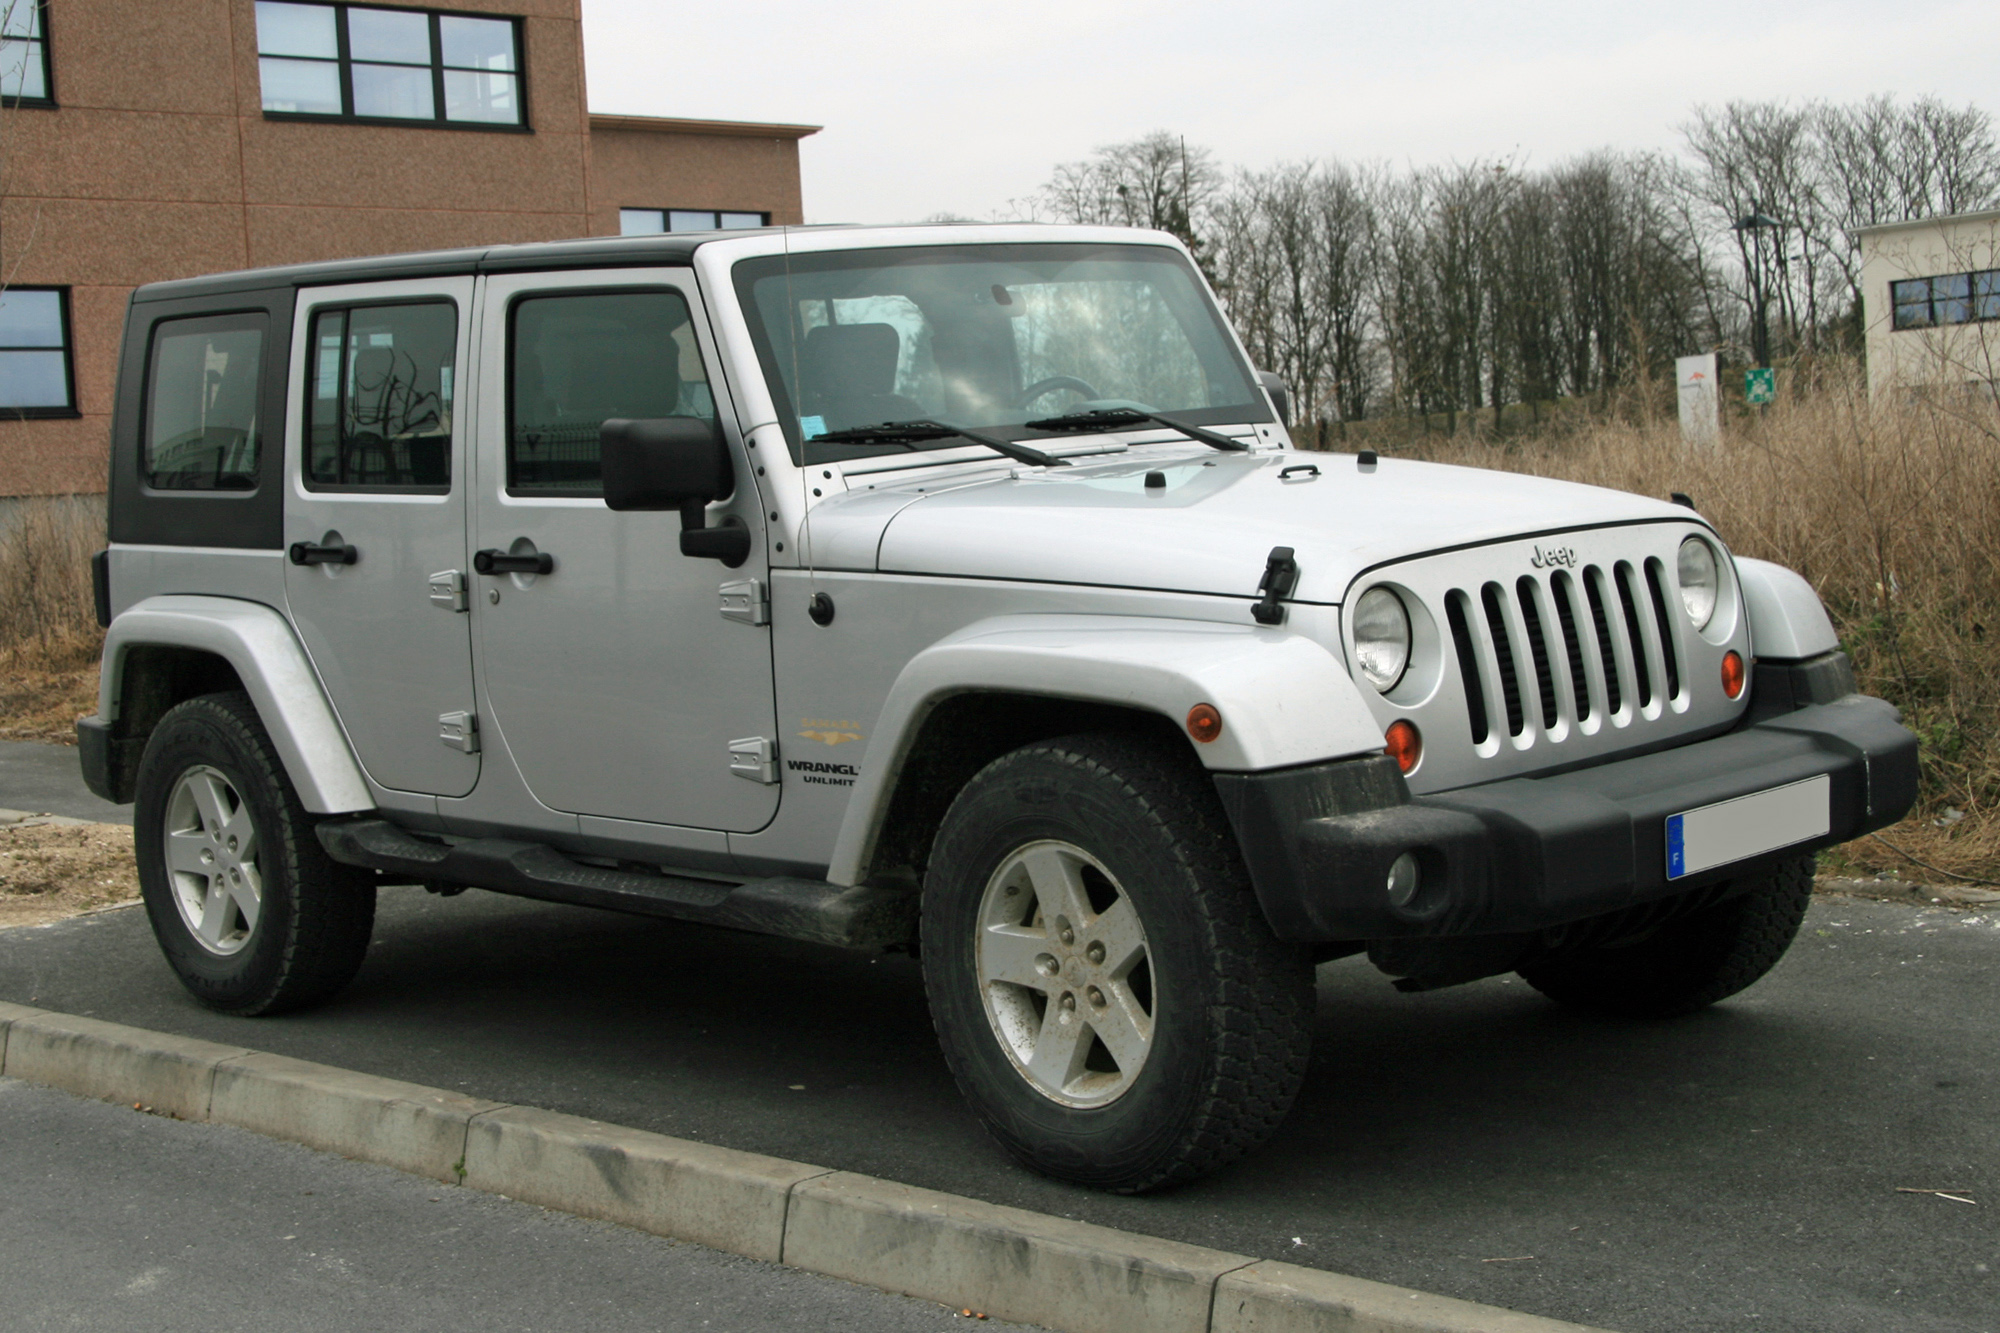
x,y
1760,329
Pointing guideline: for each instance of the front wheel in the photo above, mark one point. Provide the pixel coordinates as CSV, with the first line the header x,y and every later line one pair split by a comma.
x,y
1106,991
253,916
1689,963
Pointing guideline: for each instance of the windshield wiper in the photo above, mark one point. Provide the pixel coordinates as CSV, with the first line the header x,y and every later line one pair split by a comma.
x,y
1117,418
910,434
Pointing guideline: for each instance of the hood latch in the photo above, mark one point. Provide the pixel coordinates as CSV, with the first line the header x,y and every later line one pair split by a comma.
x,y
1281,575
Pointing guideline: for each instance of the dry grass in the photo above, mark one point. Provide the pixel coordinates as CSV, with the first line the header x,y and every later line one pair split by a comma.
x,y
49,639
51,871
1892,510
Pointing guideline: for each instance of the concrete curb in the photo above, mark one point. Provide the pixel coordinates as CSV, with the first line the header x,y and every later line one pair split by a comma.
x,y
1005,1262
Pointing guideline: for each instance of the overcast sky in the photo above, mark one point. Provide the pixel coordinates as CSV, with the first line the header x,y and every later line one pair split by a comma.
x,y
939,107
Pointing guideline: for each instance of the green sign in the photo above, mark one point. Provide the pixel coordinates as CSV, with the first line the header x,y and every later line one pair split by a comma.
x,y
1760,385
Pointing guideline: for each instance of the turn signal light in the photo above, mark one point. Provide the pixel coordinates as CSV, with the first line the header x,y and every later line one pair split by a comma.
x,y
1732,674
1404,744
1204,723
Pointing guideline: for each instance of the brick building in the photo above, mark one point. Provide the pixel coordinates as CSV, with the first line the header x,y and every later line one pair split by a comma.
x,y
149,139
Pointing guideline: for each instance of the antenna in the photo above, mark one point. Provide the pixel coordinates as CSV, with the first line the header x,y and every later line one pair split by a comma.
x,y
792,331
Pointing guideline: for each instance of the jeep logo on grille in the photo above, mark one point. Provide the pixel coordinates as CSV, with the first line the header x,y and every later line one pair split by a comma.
x,y
1550,557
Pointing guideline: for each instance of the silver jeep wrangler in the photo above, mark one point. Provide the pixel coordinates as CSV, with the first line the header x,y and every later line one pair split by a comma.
x,y
949,589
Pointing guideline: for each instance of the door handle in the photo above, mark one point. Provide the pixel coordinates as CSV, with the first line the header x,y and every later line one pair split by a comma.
x,y
502,562
312,553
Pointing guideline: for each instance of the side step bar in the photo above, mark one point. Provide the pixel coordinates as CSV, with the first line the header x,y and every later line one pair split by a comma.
x,y
813,910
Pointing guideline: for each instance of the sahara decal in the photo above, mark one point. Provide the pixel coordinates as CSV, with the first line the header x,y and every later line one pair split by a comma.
x,y
831,732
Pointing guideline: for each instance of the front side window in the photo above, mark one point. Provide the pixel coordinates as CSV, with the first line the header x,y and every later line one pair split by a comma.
x,y
379,401
407,65
577,360
654,221
36,377
202,386
988,337
24,54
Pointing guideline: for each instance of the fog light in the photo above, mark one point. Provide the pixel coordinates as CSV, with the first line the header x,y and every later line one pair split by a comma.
x,y
1404,744
1732,674
1404,880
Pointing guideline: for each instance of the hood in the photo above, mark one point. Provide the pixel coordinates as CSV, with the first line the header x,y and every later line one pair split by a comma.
x,y
1210,528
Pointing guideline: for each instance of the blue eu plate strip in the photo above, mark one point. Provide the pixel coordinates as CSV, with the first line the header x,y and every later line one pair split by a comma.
x,y
1676,852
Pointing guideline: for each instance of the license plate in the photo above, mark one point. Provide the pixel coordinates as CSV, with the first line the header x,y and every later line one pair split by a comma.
x,y
1764,821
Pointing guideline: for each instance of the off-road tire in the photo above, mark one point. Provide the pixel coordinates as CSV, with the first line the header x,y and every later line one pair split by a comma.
x,y
1689,963
1232,1004
316,915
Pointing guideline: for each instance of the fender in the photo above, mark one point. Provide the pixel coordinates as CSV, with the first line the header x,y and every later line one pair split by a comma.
x,y
1787,620
272,664
1284,698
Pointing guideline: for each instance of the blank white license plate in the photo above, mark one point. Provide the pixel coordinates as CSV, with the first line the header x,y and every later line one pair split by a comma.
x,y
1764,821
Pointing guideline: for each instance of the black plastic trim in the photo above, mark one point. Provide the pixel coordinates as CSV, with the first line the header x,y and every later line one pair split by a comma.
x,y
1537,852
139,515
856,917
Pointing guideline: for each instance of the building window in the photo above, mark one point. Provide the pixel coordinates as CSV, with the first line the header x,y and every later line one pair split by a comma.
x,y
24,54
654,221
389,66
36,375
1949,298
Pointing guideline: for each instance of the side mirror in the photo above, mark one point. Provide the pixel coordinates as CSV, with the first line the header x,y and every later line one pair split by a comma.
x,y
1281,395
673,463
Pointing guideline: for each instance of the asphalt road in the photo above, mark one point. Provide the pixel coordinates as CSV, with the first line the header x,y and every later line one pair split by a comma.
x,y
1736,1170
45,780
112,1219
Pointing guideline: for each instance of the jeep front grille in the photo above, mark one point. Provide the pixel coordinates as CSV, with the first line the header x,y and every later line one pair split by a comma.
x,y
1529,657
1558,660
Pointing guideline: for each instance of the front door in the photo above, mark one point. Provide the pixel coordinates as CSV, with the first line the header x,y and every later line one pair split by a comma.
x,y
615,681
375,521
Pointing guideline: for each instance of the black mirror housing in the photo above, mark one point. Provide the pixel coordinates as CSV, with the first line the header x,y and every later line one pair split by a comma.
x,y
664,463
1281,395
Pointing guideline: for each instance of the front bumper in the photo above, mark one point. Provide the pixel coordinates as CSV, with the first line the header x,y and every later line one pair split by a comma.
x,y
1533,853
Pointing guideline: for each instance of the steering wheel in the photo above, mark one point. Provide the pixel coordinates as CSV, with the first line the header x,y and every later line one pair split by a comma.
x,y
1051,384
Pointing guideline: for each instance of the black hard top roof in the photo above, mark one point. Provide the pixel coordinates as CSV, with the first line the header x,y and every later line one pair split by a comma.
x,y
670,249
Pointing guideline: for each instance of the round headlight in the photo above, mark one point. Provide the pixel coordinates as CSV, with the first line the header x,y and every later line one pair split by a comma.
x,y
1381,638
1699,575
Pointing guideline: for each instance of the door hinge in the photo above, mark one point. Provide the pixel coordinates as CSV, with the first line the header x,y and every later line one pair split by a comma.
x,y
745,600
755,758
460,731
448,589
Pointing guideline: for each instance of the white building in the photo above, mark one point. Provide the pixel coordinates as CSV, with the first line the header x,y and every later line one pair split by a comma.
x,y
1930,295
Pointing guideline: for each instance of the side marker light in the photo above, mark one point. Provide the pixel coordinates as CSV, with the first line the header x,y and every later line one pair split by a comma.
x,y
1404,744
1204,723
1733,678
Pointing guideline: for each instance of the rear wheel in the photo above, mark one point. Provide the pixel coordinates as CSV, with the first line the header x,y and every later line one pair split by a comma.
x,y
1107,993
253,916
1691,962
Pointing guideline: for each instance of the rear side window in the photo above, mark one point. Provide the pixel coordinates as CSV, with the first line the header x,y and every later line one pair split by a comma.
x,y
379,401
203,383
578,360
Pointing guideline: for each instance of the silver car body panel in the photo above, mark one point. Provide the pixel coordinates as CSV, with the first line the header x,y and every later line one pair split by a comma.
x,y
1787,620
392,662
1284,699
614,682
267,656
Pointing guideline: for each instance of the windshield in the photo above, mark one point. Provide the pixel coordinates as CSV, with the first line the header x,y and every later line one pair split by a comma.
x,y
988,337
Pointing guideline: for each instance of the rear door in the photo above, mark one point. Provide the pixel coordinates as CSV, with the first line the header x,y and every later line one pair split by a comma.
x,y
375,522
617,682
